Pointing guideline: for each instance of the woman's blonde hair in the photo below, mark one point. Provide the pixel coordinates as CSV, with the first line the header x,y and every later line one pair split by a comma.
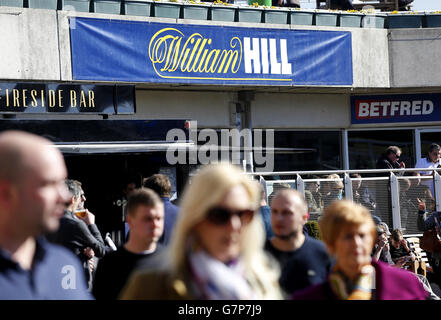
x,y
207,190
336,184
341,214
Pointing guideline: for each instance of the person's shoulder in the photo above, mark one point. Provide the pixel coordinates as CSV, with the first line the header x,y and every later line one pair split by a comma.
x,y
313,241
120,253
395,274
170,207
265,209
315,292
268,245
396,283
57,251
315,245
147,284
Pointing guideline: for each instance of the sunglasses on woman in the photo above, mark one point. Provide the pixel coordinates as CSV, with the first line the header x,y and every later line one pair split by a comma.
x,y
221,216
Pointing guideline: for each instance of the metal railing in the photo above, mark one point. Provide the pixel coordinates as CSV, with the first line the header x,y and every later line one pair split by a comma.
x,y
391,195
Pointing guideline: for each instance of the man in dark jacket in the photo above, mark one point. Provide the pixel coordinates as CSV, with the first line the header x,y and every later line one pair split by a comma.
x,y
78,231
160,183
388,160
145,215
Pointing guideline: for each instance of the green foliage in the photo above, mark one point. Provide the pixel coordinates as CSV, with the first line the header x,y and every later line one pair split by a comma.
x,y
313,229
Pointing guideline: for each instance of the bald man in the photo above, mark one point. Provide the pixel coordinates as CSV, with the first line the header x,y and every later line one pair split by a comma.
x,y
304,260
32,199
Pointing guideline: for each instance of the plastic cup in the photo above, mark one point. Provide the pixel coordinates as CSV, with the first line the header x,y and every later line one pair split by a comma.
x,y
80,213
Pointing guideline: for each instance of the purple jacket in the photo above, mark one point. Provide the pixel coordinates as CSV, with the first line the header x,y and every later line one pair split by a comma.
x,y
391,284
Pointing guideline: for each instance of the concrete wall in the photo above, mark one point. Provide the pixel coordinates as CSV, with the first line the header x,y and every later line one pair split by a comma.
x,y
370,58
210,109
29,44
415,56
300,111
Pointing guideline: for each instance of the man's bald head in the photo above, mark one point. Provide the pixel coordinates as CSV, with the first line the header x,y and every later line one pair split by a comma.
x,y
18,150
295,197
33,194
289,213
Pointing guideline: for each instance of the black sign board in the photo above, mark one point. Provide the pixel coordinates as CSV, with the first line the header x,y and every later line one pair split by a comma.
x,y
66,98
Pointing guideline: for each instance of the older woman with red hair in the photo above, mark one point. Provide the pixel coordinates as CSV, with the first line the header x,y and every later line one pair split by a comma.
x,y
348,231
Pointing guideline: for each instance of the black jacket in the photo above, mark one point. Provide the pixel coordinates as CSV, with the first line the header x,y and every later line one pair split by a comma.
x,y
384,163
76,235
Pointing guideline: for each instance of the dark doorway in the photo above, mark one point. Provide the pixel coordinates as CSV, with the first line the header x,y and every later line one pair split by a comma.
x,y
103,177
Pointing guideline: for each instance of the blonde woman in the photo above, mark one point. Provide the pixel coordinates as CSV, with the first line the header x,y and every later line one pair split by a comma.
x,y
349,232
216,250
333,189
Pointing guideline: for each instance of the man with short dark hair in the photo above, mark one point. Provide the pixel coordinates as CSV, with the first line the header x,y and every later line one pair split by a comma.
x,y
32,199
160,183
304,261
145,216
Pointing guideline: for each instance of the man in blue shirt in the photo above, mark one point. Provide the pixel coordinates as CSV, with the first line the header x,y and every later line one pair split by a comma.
x,y
303,260
32,200
160,183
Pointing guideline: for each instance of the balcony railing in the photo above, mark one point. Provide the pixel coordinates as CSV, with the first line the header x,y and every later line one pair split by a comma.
x,y
391,195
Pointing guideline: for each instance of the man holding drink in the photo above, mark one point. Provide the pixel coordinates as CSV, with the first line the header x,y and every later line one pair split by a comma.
x,y
78,231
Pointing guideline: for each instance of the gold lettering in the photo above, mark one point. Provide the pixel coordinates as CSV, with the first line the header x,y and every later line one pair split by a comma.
x,y
82,99
167,54
193,67
60,99
203,58
16,96
42,98
34,98
225,54
7,97
172,56
216,53
24,97
51,98
91,99
73,99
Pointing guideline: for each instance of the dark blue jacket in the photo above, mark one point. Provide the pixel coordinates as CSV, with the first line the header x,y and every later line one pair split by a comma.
x,y
170,215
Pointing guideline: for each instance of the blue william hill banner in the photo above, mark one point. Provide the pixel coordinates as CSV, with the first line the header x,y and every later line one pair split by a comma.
x,y
396,108
134,51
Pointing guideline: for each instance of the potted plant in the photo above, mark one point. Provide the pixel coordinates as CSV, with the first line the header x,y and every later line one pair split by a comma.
x,y
350,18
170,9
12,3
107,6
404,19
138,7
301,17
222,11
43,4
326,18
252,13
433,19
75,5
276,15
195,10
372,19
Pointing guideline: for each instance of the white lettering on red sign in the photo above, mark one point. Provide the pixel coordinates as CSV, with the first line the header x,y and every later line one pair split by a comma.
x,y
380,109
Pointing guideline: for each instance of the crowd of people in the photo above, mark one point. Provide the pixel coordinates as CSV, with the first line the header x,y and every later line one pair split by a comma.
x,y
223,242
